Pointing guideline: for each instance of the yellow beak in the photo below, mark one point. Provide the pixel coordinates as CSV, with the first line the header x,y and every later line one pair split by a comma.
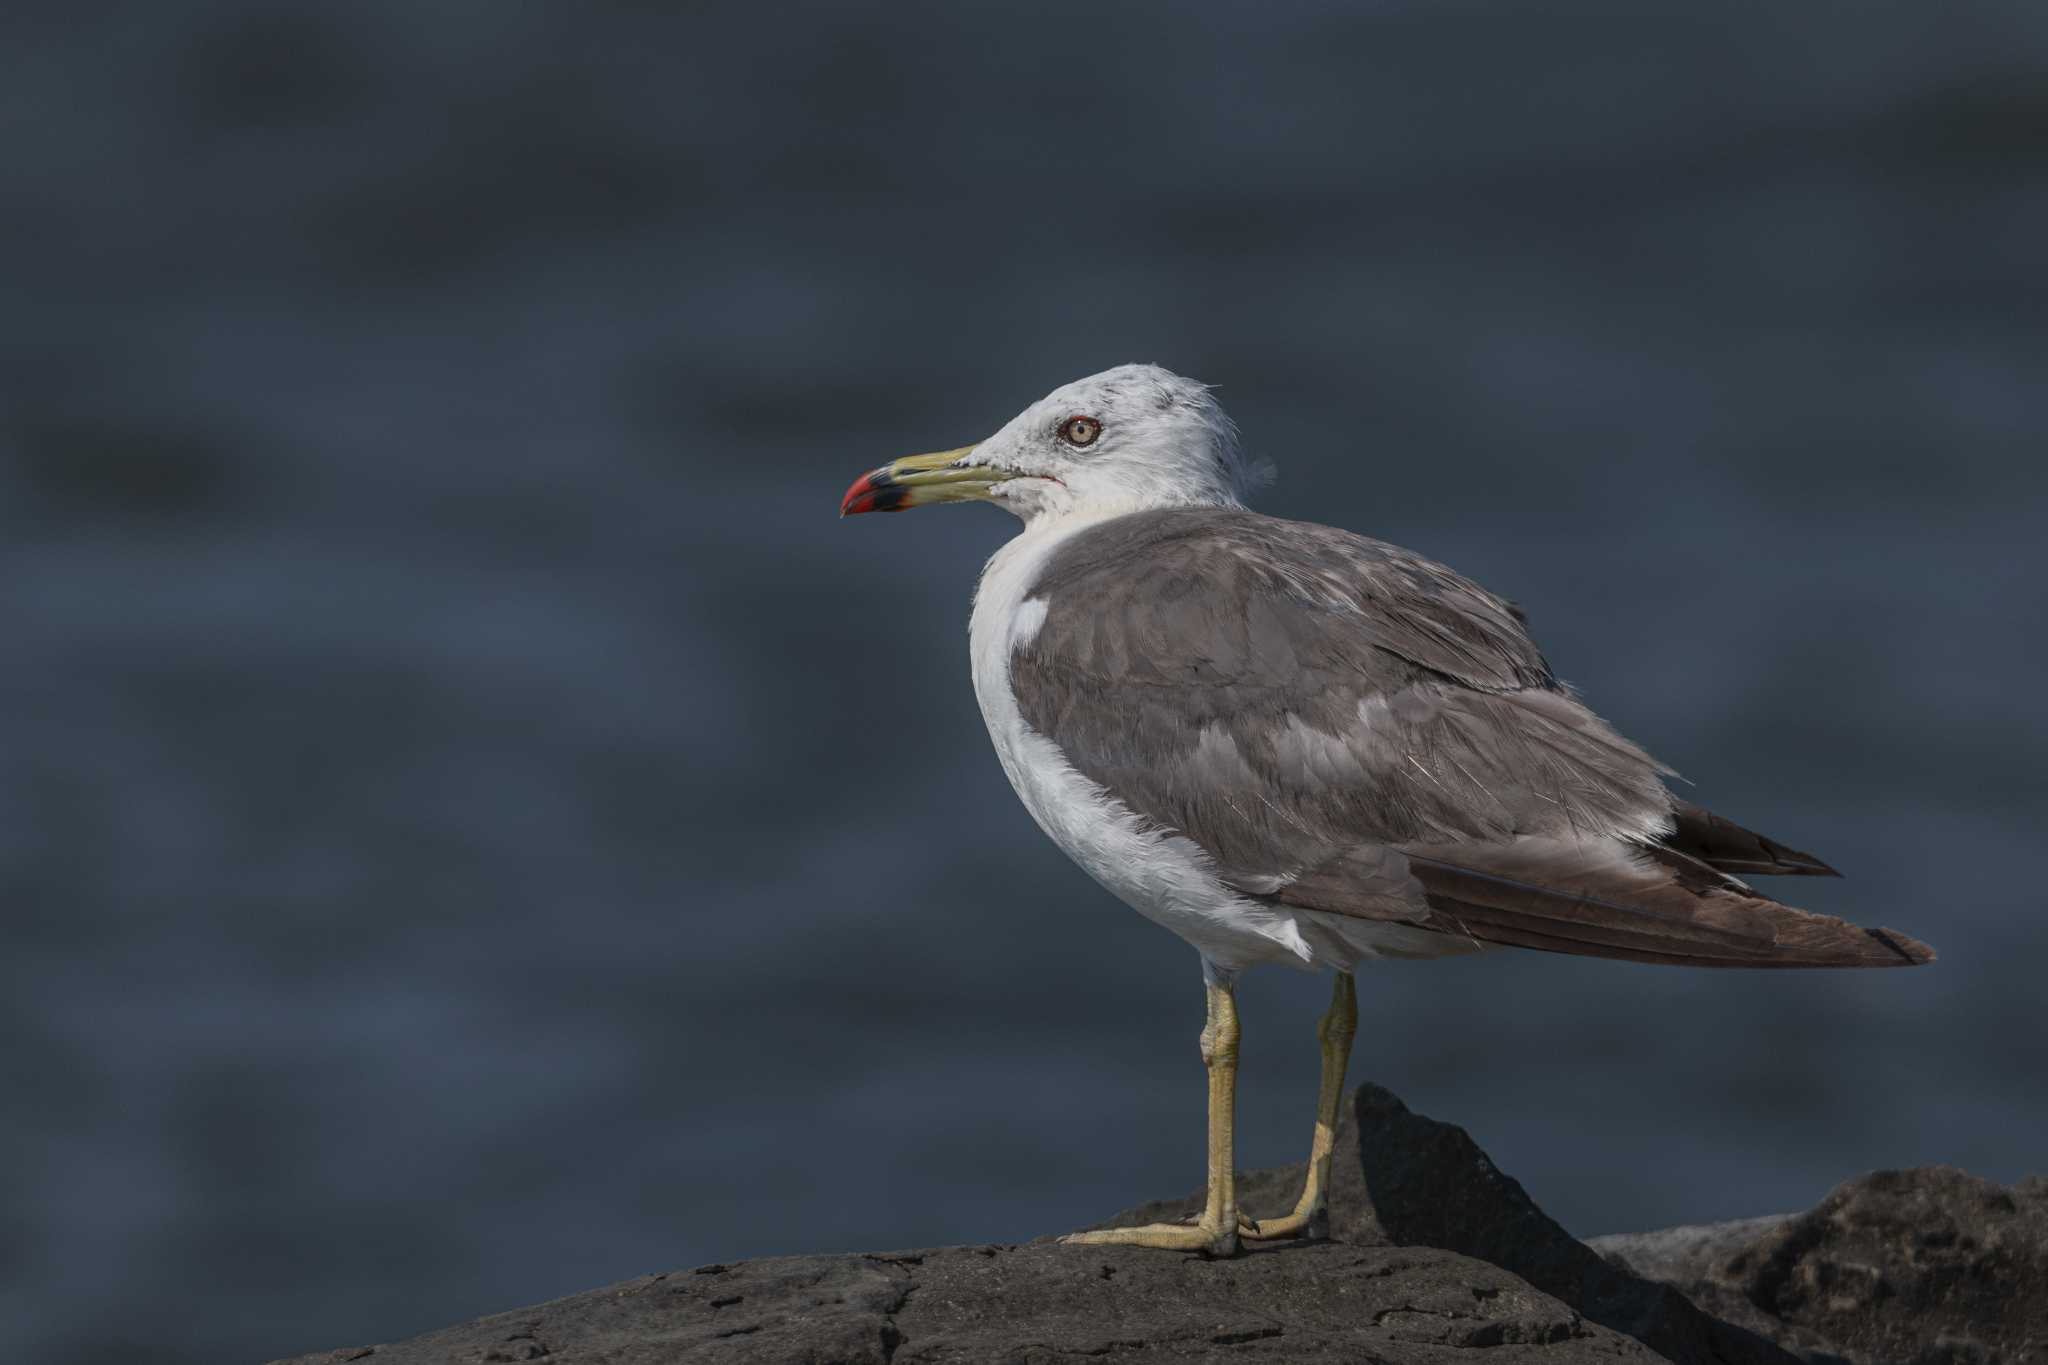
x,y
916,480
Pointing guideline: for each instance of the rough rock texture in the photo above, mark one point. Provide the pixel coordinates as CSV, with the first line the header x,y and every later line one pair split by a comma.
x,y
1039,1302
1927,1267
1436,1253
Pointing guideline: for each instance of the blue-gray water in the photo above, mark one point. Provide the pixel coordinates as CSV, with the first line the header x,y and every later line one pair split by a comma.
x,y
475,826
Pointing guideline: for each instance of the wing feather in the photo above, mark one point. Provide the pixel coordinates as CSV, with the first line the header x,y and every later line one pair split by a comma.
x,y
1347,727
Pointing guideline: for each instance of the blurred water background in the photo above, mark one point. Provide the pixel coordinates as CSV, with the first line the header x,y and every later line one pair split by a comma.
x,y
474,826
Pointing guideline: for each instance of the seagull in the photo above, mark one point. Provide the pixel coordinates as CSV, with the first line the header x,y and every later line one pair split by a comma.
x,y
1289,743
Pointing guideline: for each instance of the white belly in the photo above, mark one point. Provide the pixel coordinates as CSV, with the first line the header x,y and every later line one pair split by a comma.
x,y
1163,876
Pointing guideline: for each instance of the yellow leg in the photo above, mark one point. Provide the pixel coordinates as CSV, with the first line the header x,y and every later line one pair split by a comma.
x,y
1311,1216
1216,1230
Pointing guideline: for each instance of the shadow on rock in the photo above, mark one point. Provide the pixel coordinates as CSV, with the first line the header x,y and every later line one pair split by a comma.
x,y
1406,1180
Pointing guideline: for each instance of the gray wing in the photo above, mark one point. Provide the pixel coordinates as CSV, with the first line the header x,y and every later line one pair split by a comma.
x,y
1345,726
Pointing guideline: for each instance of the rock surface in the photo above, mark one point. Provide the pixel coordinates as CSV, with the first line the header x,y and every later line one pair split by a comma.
x,y
1929,1266
1040,1302
1435,1252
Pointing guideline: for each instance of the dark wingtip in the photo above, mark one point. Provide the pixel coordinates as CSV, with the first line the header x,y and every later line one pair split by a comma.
x,y
1721,843
1912,952
1798,865
1791,862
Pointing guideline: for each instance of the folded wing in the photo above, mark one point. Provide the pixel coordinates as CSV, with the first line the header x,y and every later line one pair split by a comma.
x,y
1347,727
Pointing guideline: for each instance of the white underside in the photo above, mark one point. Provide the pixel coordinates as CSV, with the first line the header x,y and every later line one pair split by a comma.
x,y
1162,875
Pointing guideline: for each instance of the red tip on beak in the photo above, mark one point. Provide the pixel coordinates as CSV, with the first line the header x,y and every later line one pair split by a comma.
x,y
873,491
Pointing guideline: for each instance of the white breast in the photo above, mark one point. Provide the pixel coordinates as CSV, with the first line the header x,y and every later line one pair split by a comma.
x,y
1165,877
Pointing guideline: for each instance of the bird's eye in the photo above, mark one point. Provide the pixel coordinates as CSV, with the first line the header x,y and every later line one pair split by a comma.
x,y
1080,431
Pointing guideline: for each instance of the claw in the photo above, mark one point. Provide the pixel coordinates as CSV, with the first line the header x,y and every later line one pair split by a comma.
x,y
1312,1225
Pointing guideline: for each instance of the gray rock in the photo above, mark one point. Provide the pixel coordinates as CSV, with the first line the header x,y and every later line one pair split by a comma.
x,y
1040,1302
1924,1267
1435,1252
1676,1255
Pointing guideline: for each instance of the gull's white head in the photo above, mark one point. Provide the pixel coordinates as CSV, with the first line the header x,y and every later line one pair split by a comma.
x,y
1133,437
